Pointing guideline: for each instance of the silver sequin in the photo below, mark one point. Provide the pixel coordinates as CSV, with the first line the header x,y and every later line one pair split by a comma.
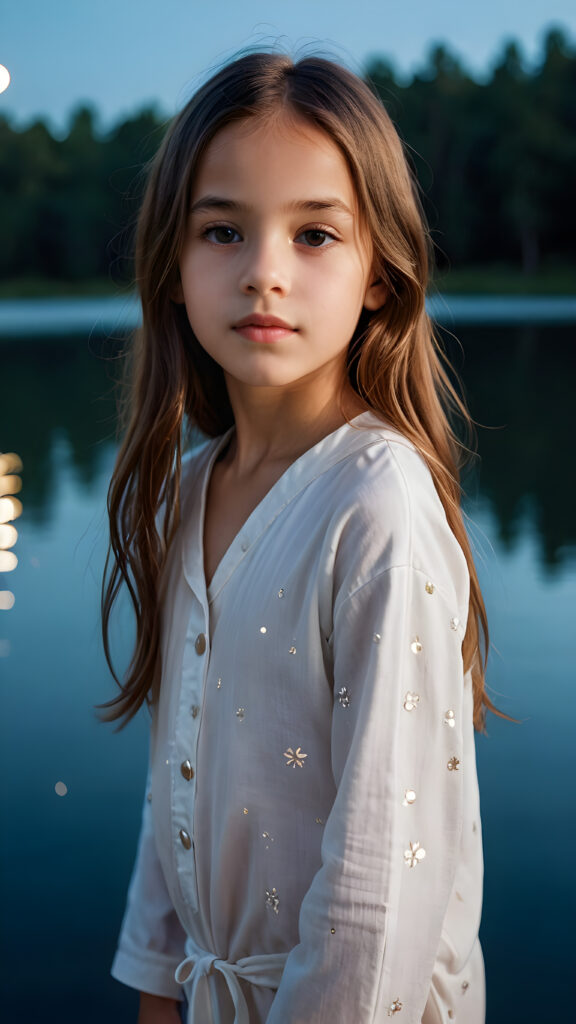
x,y
376,638
292,650
414,854
465,985
454,622
281,592
267,839
219,684
272,900
409,797
449,719
263,629
240,712
344,697
411,701
416,646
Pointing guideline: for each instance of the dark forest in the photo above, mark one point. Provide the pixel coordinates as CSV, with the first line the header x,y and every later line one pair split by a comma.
x,y
495,161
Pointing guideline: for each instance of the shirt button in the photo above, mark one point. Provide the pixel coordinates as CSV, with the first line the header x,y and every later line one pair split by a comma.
x,y
187,770
185,839
200,643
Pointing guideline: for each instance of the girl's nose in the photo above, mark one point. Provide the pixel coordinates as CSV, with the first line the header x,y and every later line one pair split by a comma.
x,y
266,267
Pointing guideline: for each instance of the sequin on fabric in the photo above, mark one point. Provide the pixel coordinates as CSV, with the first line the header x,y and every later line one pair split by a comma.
x,y
344,697
294,758
414,854
272,900
411,701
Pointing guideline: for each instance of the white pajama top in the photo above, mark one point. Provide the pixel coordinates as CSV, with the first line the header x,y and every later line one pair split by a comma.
x,y
310,849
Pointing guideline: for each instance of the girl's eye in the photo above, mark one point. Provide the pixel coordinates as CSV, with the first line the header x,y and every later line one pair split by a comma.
x,y
222,234
316,238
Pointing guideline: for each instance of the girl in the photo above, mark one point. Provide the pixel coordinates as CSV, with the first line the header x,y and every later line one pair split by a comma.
x,y
309,619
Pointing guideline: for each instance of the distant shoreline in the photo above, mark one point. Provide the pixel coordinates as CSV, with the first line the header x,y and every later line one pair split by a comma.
x,y
117,315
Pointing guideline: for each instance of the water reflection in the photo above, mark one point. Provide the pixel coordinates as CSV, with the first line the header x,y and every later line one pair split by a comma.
x,y
71,788
517,379
519,383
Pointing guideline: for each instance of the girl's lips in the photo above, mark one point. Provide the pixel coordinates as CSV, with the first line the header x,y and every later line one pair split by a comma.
x,y
265,335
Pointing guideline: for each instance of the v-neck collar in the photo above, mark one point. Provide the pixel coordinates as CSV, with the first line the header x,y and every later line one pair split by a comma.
x,y
311,464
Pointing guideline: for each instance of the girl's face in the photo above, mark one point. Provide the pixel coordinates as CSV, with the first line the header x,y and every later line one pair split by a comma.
x,y
274,232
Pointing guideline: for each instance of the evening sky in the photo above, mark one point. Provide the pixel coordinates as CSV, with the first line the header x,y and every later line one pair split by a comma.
x,y
121,55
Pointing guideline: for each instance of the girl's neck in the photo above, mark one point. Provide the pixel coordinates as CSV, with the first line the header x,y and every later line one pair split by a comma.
x,y
269,433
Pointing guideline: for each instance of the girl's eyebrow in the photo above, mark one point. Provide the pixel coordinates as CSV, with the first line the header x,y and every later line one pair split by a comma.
x,y
313,205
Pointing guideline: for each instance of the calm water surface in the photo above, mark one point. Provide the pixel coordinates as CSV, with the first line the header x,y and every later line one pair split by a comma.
x,y
66,860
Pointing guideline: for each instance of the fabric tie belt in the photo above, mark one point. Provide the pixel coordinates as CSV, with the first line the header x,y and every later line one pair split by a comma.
x,y
264,969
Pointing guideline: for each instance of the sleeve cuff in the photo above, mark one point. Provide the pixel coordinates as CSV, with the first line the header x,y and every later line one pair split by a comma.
x,y
152,973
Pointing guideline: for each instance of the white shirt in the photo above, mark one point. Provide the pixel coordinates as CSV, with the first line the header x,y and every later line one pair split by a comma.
x,y
314,821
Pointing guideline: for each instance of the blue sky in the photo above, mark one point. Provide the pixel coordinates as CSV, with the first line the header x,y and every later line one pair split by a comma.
x,y
123,54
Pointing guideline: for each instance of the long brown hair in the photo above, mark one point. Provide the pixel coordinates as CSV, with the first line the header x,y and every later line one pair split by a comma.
x,y
394,361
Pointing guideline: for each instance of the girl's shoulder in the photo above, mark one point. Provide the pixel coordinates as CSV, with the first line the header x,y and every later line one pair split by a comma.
x,y
391,512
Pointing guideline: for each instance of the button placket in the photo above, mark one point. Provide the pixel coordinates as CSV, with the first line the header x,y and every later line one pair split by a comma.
x,y
188,717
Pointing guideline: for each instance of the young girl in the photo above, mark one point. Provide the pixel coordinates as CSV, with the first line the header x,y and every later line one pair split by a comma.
x,y
309,619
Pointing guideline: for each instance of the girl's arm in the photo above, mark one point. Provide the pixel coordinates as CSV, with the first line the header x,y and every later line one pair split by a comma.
x,y
151,943
158,1010
371,924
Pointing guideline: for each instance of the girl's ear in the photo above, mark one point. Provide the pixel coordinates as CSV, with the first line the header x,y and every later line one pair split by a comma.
x,y
376,295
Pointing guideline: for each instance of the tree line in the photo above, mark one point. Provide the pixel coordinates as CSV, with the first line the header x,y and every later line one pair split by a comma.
x,y
495,160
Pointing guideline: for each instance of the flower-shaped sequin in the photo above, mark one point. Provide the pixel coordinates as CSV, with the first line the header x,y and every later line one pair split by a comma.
x,y
344,697
453,764
395,1007
294,758
272,900
411,701
414,854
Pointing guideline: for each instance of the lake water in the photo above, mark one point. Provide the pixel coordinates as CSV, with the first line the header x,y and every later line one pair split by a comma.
x,y
66,860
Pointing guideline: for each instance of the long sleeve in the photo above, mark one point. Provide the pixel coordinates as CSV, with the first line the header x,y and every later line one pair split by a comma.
x,y
372,920
151,943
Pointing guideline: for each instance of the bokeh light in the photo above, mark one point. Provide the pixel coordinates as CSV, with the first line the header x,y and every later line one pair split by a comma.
x,y
6,600
4,78
61,788
8,561
8,536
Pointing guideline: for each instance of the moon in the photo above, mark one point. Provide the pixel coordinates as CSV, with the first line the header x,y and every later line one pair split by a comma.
x,y
4,78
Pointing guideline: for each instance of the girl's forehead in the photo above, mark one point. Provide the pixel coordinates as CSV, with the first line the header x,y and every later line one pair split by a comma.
x,y
285,151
